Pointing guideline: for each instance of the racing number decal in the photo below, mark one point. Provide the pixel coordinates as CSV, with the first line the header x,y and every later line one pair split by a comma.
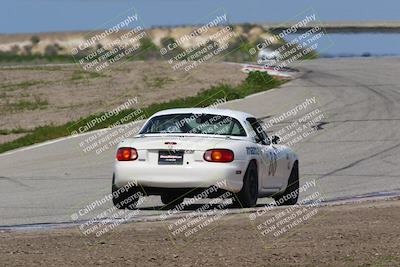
x,y
272,164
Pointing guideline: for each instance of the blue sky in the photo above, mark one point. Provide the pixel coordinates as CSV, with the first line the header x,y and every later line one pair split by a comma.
x,y
20,16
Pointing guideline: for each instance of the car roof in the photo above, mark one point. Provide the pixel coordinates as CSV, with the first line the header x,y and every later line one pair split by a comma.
x,y
239,115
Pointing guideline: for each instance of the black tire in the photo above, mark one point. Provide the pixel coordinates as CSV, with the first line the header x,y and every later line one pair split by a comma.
x,y
171,200
247,197
125,199
291,189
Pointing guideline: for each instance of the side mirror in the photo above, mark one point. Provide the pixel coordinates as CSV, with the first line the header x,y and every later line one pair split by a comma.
x,y
275,139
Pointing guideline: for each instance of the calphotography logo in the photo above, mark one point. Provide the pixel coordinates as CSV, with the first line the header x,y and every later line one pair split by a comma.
x,y
206,43
297,124
202,218
273,223
118,124
291,42
123,39
98,218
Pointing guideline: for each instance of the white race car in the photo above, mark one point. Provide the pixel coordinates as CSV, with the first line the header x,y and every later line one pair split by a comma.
x,y
181,152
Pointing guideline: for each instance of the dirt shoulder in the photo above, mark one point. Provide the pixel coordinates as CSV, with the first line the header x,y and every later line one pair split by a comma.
x,y
39,95
363,234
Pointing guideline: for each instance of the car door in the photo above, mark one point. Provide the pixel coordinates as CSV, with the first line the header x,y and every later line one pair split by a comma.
x,y
281,163
284,163
270,177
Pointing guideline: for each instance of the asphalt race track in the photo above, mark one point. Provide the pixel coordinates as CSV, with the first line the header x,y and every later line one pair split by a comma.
x,y
355,152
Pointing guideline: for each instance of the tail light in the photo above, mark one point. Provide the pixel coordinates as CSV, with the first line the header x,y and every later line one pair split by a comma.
x,y
126,153
219,155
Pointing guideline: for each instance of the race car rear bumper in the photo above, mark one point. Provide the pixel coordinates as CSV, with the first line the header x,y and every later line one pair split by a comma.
x,y
227,176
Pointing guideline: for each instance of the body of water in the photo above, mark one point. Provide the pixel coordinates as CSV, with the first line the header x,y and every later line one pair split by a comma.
x,y
357,44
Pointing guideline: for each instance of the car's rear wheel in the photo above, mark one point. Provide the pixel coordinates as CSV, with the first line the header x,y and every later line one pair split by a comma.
x,y
247,197
291,193
126,198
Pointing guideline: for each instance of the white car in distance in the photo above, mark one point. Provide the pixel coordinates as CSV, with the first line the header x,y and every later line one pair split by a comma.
x,y
268,56
181,152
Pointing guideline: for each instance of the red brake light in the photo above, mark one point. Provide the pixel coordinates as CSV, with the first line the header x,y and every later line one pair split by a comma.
x,y
219,155
126,153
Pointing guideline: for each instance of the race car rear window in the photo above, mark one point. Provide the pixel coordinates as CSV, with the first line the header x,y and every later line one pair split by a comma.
x,y
194,123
